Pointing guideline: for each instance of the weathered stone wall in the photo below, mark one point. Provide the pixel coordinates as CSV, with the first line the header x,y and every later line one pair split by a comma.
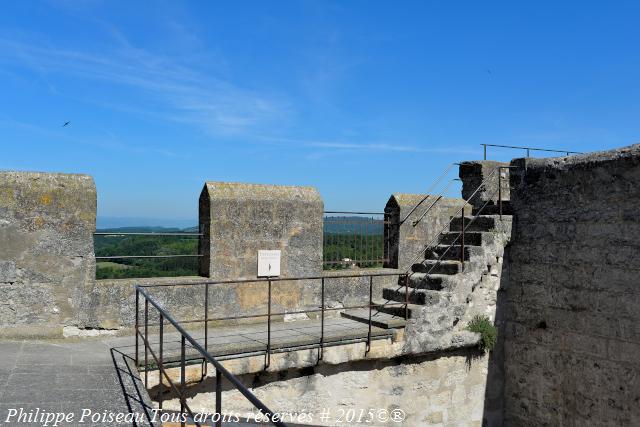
x,y
447,389
573,340
473,173
116,299
408,238
239,219
47,264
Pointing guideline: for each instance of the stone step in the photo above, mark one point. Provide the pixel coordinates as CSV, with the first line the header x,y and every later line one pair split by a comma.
x,y
415,296
437,267
446,252
425,281
379,318
396,310
471,238
494,209
474,223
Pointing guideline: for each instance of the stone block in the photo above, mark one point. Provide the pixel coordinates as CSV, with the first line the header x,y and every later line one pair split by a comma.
x,y
237,220
483,172
409,229
47,264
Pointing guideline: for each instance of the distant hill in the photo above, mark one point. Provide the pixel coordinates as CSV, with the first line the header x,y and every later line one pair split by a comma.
x,y
137,222
332,224
353,225
143,229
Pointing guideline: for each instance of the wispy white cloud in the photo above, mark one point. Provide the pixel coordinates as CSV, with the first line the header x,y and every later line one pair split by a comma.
x,y
369,147
174,89
181,93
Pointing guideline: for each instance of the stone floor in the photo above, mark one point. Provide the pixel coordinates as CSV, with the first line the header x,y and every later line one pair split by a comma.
x,y
69,376
98,374
228,342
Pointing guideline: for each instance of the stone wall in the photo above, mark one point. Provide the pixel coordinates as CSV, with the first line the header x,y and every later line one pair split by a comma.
x,y
474,173
116,298
239,219
408,233
573,340
47,264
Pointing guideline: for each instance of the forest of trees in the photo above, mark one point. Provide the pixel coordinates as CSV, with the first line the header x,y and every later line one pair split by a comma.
x,y
119,245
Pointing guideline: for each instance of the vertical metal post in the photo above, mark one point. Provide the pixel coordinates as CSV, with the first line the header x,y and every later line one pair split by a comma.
x,y
218,398
370,308
137,327
360,242
206,326
182,377
367,245
406,297
462,239
146,342
160,364
500,191
527,152
321,349
485,151
269,326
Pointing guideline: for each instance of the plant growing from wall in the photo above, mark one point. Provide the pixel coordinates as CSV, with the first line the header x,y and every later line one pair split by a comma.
x,y
488,332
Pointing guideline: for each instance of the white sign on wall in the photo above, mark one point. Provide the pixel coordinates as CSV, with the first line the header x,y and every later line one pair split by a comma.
x,y
268,263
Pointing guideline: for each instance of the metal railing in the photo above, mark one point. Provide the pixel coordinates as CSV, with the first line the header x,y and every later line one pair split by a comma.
x,y
123,254
463,224
527,149
354,239
203,351
435,199
146,234
221,371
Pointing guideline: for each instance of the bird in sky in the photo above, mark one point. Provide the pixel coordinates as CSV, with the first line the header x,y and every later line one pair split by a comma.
x,y
65,124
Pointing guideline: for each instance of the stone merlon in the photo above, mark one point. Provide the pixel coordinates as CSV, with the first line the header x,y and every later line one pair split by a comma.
x,y
239,219
47,263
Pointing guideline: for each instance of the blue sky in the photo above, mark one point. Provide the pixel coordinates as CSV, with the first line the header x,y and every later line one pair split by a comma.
x,y
358,98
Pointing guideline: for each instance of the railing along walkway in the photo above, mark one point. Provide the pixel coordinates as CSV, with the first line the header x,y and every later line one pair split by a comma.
x,y
239,341
187,343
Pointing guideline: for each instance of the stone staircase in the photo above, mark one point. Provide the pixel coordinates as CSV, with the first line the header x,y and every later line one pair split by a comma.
x,y
440,288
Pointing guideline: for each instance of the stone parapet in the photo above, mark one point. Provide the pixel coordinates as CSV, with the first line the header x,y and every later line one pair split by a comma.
x,y
47,264
237,220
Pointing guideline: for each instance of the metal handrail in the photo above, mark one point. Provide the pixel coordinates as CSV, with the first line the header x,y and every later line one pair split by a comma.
x,y
271,279
528,149
463,225
354,213
203,350
359,243
448,224
148,256
145,234
440,196
221,371
433,185
461,237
